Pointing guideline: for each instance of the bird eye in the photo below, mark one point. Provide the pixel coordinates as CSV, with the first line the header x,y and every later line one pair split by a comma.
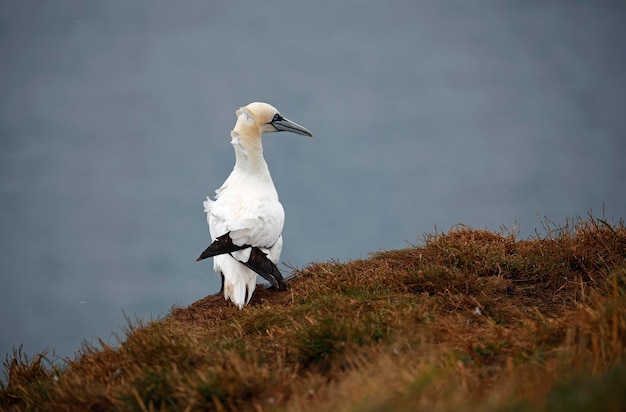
x,y
277,117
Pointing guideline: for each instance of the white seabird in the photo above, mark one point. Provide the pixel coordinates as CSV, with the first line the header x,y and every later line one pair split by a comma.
x,y
246,218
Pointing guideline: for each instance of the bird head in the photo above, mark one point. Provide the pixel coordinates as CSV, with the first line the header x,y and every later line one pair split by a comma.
x,y
268,119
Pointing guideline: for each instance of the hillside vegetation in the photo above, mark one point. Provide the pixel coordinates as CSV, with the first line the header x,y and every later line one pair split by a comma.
x,y
467,320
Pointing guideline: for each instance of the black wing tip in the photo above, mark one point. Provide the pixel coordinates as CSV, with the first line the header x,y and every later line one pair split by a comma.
x,y
280,285
220,246
206,254
262,266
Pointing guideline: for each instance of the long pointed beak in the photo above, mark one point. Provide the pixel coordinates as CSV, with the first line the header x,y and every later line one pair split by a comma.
x,y
285,125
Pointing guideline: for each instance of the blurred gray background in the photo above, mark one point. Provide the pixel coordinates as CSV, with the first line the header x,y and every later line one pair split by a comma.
x,y
115,120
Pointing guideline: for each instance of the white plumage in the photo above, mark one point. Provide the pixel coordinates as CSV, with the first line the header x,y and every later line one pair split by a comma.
x,y
246,218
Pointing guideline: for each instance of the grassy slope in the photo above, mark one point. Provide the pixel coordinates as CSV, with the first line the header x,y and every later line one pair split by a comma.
x,y
468,320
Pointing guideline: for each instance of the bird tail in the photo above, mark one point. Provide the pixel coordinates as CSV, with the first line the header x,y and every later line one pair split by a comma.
x,y
240,291
239,281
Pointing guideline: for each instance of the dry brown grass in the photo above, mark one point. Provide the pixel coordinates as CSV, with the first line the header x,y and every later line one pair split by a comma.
x,y
468,320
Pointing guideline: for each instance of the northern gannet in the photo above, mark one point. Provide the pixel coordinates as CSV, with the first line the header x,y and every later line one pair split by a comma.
x,y
246,218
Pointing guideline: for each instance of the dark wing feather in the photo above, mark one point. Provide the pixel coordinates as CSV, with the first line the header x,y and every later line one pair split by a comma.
x,y
259,263
221,245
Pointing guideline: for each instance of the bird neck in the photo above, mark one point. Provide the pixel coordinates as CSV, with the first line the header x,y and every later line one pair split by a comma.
x,y
248,152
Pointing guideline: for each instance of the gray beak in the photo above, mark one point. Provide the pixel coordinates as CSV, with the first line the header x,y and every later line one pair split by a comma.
x,y
284,125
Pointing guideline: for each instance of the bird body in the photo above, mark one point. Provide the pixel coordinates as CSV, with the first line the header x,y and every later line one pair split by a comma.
x,y
246,218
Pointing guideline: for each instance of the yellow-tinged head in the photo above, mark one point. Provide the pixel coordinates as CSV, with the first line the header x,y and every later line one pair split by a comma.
x,y
266,119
